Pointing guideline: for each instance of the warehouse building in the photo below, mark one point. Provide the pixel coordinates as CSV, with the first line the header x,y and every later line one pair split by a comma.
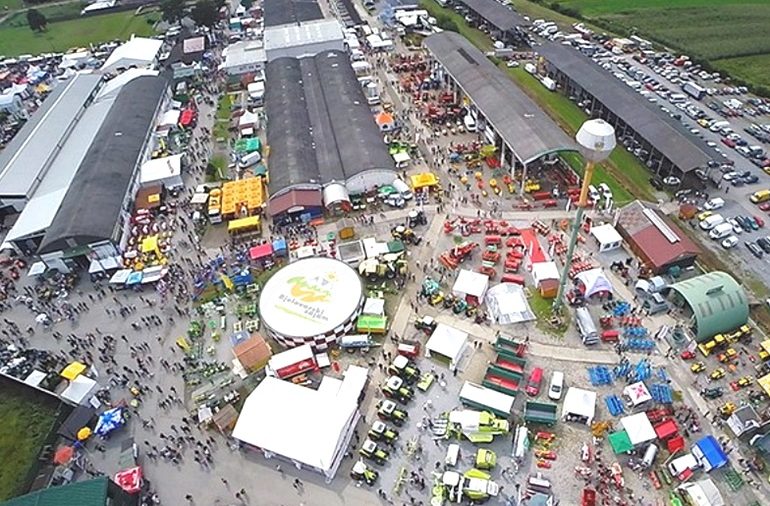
x,y
304,39
715,303
504,23
290,12
506,116
321,133
661,142
89,222
656,240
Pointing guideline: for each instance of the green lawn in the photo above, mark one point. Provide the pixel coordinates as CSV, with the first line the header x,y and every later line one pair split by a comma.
x,y
10,5
624,174
712,30
477,37
63,35
52,13
24,426
542,308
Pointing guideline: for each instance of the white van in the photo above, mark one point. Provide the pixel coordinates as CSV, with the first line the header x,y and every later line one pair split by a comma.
x,y
721,231
714,204
403,189
712,221
249,160
557,385
470,123
682,464
719,125
677,98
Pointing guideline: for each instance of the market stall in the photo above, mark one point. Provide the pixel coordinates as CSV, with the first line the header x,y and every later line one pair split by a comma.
x,y
546,276
81,390
638,428
471,286
130,480
166,171
579,406
637,394
423,180
244,225
261,253
253,354
507,303
447,342
594,282
606,237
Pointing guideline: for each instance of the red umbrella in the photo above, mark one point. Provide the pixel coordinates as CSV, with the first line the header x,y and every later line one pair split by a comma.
x,y
63,455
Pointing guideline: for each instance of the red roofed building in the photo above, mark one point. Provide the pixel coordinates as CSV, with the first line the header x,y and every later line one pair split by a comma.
x,y
654,238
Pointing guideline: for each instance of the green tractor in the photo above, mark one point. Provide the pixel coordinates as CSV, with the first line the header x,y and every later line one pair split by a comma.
x,y
381,432
362,472
387,410
371,451
396,388
404,369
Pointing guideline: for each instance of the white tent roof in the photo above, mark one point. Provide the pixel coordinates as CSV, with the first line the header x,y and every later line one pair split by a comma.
x,y
470,283
606,234
79,389
544,270
447,341
595,281
161,170
35,378
170,118
248,119
300,423
374,306
507,303
703,493
138,52
638,393
121,276
580,402
638,428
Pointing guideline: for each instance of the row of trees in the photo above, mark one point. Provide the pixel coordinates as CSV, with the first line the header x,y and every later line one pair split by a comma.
x,y
203,12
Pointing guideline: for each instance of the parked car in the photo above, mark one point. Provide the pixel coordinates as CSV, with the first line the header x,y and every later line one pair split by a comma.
x,y
764,243
729,242
755,250
535,381
750,179
759,221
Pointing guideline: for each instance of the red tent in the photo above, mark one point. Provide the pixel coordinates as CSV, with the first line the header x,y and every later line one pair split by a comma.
x,y
675,444
261,251
666,429
187,117
130,479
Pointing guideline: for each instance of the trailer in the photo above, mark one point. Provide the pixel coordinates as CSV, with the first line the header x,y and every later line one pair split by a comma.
x,y
510,362
540,412
510,345
694,90
502,380
486,399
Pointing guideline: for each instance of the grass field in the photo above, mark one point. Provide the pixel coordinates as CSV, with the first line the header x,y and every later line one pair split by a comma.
x,y
715,30
477,37
10,5
52,13
62,35
24,425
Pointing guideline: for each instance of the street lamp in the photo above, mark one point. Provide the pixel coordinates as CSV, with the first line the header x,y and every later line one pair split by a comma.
x,y
596,138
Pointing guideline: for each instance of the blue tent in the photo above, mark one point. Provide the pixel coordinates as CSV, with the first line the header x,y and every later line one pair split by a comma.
x,y
109,421
279,246
709,453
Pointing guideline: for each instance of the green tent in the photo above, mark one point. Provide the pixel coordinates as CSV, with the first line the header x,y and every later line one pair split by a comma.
x,y
249,145
260,170
620,442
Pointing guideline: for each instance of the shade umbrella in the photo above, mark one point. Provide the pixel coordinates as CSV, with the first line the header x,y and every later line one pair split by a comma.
x,y
84,434
63,455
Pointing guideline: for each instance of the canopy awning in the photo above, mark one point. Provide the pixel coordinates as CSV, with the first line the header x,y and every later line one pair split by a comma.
x,y
579,402
73,370
666,429
637,393
470,283
423,180
120,277
620,442
448,342
594,281
243,224
37,269
261,251
639,428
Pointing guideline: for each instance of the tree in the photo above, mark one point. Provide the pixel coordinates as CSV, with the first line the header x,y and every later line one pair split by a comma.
x,y
205,13
173,10
247,4
36,20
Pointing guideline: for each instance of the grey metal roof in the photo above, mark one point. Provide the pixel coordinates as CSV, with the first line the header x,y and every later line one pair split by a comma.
x,y
348,13
284,12
523,125
91,209
27,158
320,128
663,132
498,15
303,34
292,158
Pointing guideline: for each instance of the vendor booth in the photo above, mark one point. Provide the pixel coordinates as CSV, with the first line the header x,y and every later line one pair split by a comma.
x,y
292,362
579,406
546,276
593,282
471,286
620,442
638,428
166,171
606,237
507,303
423,180
709,453
372,324
637,394
242,198
244,225
701,493
448,342
149,198
261,253
81,391
130,480
253,353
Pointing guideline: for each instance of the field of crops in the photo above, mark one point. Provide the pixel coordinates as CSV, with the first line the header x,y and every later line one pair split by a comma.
x,y
707,29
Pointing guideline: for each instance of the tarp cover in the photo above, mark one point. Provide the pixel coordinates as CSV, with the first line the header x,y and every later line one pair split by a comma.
x,y
594,282
507,303
448,342
620,443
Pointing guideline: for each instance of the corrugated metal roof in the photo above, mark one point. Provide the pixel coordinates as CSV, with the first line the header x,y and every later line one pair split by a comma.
x,y
663,132
27,158
522,124
81,493
308,33
498,15
284,12
718,302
